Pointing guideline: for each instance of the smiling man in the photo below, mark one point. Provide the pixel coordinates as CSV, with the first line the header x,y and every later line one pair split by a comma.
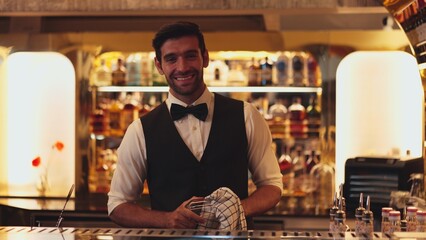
x,y
191,145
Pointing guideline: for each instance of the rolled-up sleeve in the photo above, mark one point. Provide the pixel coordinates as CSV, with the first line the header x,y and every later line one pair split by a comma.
x,y
263,163
130,174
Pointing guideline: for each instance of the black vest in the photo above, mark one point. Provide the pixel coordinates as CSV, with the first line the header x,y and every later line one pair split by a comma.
x,y
175,175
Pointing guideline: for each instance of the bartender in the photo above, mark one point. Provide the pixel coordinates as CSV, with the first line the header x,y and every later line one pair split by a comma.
x,y
192,144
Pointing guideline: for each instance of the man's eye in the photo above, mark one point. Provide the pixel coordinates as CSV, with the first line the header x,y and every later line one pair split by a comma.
x,y
170,59
192,55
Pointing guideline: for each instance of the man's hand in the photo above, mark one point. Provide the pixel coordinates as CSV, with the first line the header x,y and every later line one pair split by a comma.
x,y
184,218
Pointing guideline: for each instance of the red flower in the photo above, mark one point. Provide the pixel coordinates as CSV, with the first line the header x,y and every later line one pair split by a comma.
x,y
36,161
59,145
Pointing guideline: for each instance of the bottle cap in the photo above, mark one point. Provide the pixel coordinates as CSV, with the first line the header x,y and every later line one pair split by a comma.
x,y
412,209
421,214
394,214
386,209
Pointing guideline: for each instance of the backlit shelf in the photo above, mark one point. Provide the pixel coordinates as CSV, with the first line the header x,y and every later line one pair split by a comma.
x,y
317,90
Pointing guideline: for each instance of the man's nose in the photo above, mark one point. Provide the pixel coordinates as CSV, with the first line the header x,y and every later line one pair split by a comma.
x,y
181,64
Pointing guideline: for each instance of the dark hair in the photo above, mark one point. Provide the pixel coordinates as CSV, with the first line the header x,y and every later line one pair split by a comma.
x,y
177,30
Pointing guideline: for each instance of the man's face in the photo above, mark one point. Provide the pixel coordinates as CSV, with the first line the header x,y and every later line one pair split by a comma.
x,y
182,64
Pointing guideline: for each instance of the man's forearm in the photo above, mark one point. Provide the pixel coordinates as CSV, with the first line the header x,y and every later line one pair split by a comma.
x,y
261,200
133,215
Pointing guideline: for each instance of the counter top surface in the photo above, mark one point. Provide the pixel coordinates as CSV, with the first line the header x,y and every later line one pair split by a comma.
x,y
99,204
56,204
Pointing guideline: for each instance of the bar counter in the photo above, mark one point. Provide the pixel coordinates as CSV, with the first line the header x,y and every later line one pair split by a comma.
x,y
92,212
38,233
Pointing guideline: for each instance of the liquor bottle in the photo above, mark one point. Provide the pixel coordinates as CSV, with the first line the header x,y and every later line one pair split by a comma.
x,y
145,70
286,166
236,76
102,75
99,123
368,220
299,165
359,226
216,75
119,74
298,125
297,110
282,67
253,73
144,109
156,78
277,120
313,115
285,161
278,111
129,113
115,118
298,67
266,72
395,222
313,72
133,64
219,73
312,161
385,225
411,219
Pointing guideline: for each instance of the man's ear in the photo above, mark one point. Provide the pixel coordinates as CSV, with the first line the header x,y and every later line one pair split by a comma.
x,y
206,59
158,66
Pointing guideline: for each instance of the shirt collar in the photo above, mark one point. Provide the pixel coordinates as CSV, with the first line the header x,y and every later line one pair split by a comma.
x,y
206,97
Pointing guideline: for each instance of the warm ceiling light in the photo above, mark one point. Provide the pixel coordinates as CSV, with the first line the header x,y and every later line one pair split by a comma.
x,y
39,122
379,107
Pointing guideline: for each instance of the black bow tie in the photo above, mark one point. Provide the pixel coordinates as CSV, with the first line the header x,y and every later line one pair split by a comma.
x,y
199,111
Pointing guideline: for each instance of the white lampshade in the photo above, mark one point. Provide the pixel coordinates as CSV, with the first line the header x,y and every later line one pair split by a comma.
x,y
379,107
38,105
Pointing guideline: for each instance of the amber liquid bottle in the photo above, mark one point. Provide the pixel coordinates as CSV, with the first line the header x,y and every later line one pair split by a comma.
x,y
129,113
115,118
253,73
119,74
298,124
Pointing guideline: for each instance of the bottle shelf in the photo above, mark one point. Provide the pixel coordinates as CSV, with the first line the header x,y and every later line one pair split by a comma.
x,y
317,90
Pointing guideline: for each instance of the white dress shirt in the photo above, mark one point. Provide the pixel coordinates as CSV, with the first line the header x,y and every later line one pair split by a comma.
x,y
131,171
